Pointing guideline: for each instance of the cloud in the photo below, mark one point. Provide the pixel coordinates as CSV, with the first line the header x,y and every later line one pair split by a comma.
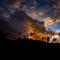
x,y
50,21
42,13
35,3
31,11
56,13
6,28
8,7
49,1
24,8
57,4
18,18
56,7
15,3
3,13
15,25
21,22
38,13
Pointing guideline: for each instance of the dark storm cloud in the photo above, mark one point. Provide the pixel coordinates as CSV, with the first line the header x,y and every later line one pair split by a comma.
x,y
18,18
14,3
17,21
9,8
6,28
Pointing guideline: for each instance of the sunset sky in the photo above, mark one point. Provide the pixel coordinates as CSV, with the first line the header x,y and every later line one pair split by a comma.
x,y
47,11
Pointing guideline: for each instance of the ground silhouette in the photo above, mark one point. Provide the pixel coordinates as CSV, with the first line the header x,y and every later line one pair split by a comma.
x,y
24,42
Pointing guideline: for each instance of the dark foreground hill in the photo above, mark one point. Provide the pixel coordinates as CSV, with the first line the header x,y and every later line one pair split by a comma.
x,y
27,43
24,43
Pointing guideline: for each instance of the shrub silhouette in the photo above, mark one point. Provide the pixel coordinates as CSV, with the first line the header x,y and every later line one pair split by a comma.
x,y
31,34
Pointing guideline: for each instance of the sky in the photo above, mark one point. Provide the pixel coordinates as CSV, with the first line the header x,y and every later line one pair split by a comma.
x,y
47,11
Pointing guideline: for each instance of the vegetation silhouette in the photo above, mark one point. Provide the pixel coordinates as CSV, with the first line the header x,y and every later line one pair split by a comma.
x,y
23,42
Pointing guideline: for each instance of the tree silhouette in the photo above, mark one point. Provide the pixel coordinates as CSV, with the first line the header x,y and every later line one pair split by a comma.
x,y
25,37
48,39
31,34
19,35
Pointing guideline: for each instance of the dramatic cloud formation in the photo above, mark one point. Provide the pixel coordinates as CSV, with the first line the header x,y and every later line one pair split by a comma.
x,y
19,12
51,9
